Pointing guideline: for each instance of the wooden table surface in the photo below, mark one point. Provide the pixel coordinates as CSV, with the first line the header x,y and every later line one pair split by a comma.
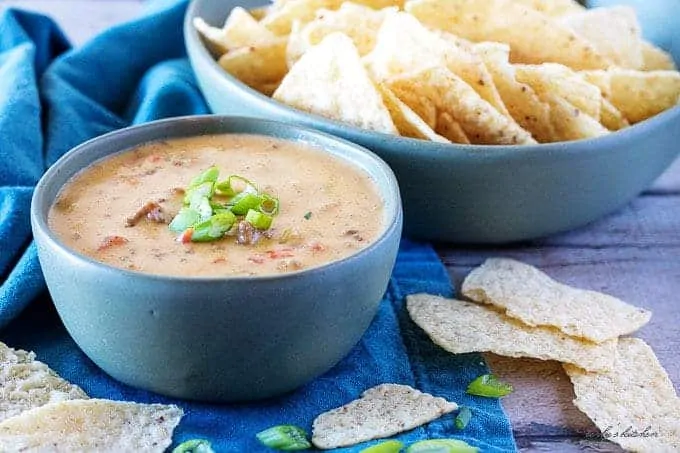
x,y
633,254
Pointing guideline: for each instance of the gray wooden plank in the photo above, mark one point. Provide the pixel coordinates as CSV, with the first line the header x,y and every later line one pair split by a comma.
x,y
565,445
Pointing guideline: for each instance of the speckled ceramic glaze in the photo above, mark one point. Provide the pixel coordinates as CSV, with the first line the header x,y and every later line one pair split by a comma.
x,y
216,339
476,193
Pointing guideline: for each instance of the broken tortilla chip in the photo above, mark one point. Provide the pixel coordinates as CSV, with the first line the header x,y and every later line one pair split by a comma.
x,y
382,411
26,383
529,295
634,404
257,66
462,327
330,80
481,122
91,425
614,32
533,36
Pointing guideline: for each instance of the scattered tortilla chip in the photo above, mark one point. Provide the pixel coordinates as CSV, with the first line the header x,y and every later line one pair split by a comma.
x,y
614,32
635,396
481,122
611,117
531,296
359,22
382,411
656,59
408,123
258,66
26,383
405,45
524,105
449,128
91,425
553,7
462,327
283,13
330,80
563,82
640,95
533,36
239,30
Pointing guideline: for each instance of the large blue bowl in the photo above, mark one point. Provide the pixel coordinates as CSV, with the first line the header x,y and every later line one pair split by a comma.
x,y
473,193
216,339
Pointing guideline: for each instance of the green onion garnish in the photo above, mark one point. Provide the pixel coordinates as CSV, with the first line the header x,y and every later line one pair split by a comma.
x,y
488,385
194,446
213,228
184,219
243,202
442,446
391,446
463,417
259,220
205,219
284,437
308,215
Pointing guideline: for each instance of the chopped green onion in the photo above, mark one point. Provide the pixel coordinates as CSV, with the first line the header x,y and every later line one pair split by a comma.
x,y
442,446
463,417
391,446
184,219
259,220
210,175
284,437
213,228
308,215
194,446
488,385
227,187
203,190
269,205
243,202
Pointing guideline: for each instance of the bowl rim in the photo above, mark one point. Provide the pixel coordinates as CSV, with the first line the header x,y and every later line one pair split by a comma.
x,y
428,149
386,185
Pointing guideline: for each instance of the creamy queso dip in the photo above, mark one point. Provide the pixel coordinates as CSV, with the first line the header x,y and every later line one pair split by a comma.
x,y
117,210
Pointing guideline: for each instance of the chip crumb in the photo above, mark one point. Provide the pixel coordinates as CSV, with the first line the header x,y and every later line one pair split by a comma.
x,y
531,296
634,404
382,411
462,327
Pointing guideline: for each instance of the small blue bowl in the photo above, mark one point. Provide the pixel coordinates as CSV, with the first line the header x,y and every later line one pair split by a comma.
x,y
215,339
475,193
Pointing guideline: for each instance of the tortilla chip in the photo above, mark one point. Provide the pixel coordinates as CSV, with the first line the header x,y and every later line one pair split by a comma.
x,y
283,13
569,123
462,327
614,32
524,105
260,12
600,79
330,80
656,59
563,82
408,123
382,411
26,383
531,296
91,425
239,30
449,128
640,95
534,37
359,22
404,45
611,117
481,122
258,66
635,396
553,8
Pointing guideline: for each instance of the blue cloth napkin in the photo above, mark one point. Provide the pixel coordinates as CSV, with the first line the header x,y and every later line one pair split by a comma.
x,y
53,98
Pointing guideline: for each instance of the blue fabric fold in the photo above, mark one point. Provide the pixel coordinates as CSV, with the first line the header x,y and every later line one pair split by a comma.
x,y
52,99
